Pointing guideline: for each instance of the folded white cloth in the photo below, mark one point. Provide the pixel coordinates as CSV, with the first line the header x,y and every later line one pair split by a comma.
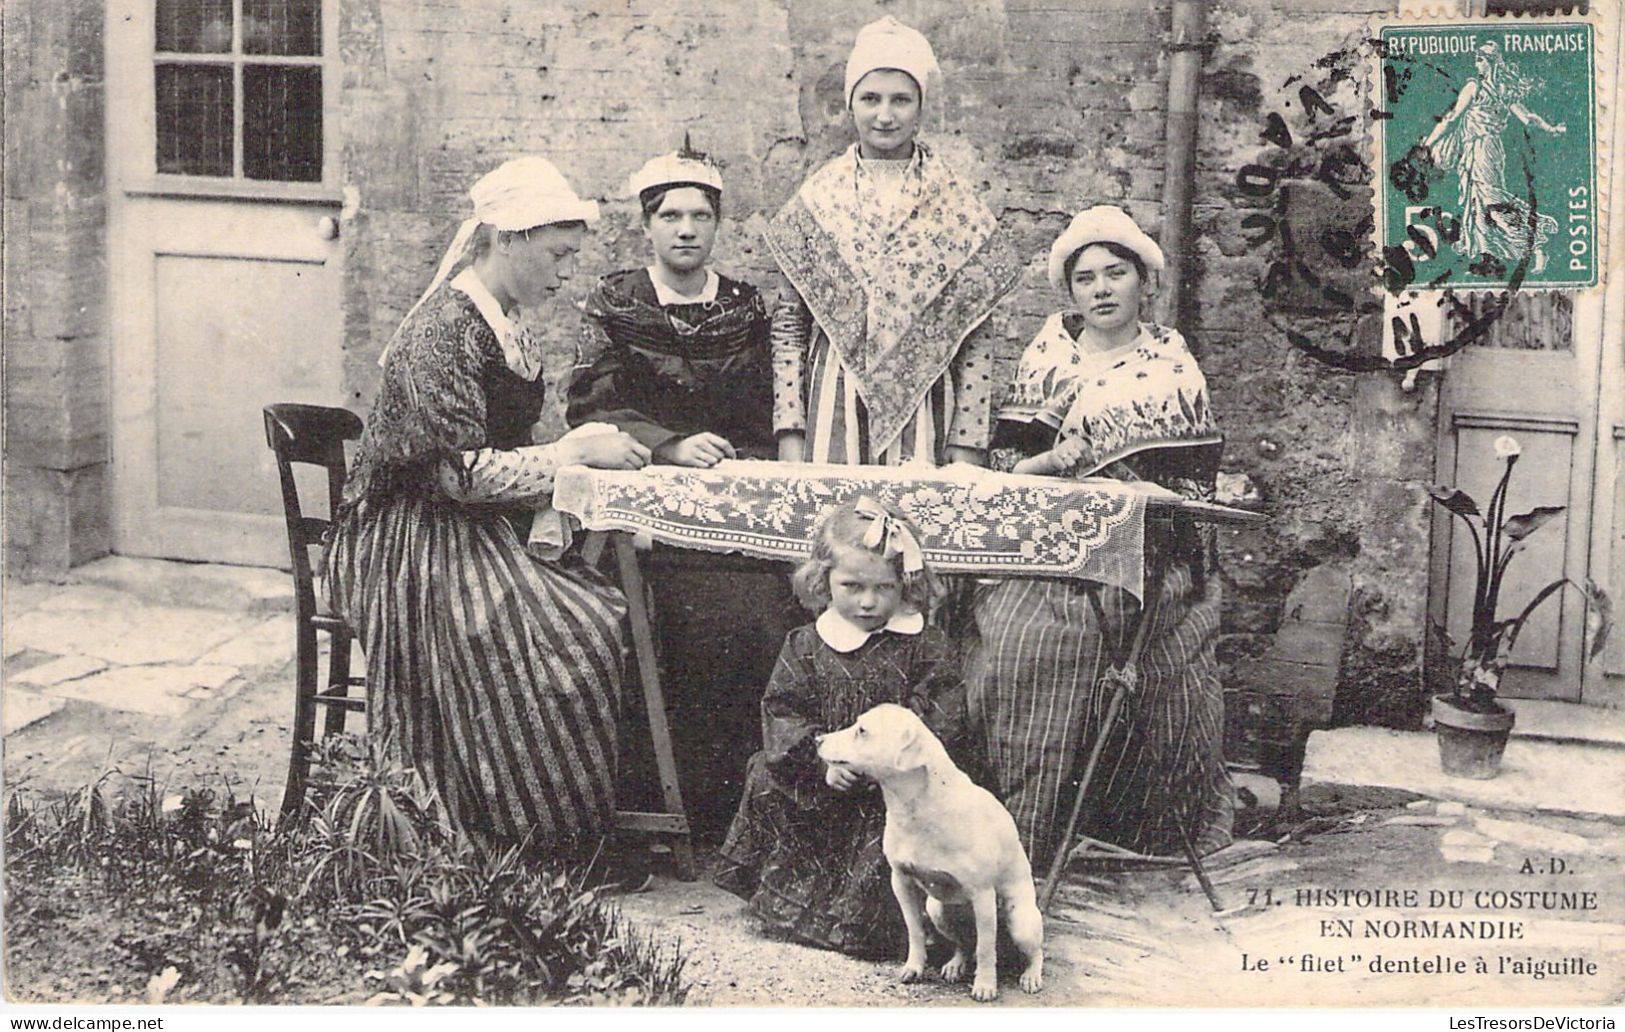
x,y
550,530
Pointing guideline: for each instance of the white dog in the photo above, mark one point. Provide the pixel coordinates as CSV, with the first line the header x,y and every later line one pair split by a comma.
x,y
952,847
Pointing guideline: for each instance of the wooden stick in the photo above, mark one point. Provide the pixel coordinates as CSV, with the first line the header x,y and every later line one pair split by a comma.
x,y
1201,875
1142,630
1058,864
654,700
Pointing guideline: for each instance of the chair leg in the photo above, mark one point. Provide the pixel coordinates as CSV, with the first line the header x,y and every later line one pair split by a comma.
x,y
338,679
304,720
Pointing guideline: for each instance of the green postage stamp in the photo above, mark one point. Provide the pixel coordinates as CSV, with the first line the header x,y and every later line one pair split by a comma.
x,y
1486,138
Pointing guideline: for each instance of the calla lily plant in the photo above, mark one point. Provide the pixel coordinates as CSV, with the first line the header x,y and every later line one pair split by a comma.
x,y
1497,538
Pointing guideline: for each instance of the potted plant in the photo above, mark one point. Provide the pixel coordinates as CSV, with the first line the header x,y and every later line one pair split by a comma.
x,y
1471,725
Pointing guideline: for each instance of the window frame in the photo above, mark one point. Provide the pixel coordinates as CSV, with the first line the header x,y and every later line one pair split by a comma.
x,y
151,182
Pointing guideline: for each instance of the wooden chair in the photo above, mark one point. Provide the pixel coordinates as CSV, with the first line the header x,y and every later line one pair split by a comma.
x,y
314,435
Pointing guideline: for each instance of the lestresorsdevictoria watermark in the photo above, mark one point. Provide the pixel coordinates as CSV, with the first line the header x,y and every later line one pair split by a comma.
x,y
1538,1023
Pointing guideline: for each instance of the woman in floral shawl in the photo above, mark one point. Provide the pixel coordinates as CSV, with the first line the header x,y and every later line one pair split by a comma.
x,y
492,671
894,263
1098,393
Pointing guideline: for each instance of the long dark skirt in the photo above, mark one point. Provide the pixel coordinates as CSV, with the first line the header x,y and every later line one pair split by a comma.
x,y
1037,697
816,873
720,622
495,674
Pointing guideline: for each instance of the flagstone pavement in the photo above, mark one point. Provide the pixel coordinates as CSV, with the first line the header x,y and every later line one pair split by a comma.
x,y
184,672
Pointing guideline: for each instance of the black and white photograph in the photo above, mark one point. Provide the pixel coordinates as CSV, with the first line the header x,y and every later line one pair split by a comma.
x,y
747,504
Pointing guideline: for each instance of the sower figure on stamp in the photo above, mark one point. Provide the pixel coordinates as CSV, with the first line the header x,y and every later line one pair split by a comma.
x,y
676,355
1467,141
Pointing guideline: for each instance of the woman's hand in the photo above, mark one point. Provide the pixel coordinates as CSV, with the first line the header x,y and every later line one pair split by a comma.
x,y
604,451
841,779
1057,460
792,446
703,450
969,456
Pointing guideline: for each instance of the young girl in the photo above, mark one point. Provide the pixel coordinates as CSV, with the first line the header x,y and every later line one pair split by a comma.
x,y
804,849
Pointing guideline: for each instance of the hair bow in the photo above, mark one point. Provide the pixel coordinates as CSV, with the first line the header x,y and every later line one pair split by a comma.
x,y
890,536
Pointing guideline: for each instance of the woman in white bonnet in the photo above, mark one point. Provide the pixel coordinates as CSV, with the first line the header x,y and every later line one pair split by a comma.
x,y
493,672
1099,393
894,264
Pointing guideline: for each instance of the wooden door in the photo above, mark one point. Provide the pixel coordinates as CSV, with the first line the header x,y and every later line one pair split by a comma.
x,y
1537,378
223,219
1605,681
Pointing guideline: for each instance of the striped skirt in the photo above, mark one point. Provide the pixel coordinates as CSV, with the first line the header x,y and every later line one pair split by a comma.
x,y
838,422
1033,674
497,676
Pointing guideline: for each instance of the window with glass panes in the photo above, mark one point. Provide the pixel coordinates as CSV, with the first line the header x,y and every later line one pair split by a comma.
x,y
238,89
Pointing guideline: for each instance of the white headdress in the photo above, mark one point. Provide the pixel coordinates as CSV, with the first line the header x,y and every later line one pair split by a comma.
x,y
519,194
686,167
1104,223
888,43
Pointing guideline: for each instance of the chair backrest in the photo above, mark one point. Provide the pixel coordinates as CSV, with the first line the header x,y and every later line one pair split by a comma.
x,y
312,434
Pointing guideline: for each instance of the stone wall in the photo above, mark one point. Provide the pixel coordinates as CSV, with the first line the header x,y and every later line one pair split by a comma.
x,y
431,102
1049,106
56,444
1338,456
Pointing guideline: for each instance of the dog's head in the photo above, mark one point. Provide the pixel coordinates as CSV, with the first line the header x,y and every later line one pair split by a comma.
x,y
884,741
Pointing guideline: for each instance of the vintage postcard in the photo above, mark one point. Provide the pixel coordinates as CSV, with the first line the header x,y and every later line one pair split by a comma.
x,y
809,503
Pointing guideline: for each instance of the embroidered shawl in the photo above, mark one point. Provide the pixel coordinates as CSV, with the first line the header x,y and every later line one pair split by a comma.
x,y
1152,395
895,301
660,371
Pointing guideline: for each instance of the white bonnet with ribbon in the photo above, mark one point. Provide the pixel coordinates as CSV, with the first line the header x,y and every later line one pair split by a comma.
x,y
518,194
675,169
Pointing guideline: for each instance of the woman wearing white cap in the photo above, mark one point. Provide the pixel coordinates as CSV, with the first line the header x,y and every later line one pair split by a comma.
x,y
1099,393
495,673
678,353
679,359
894,264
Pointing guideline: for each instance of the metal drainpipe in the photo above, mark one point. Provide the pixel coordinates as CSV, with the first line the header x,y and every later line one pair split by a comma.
x,y
1179,164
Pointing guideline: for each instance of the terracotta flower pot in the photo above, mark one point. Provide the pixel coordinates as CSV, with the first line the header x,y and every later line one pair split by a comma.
x,y
1470,744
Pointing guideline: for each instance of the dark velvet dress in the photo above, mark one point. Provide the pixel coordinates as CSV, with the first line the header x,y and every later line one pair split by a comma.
x,y
806,857
495,674
660,373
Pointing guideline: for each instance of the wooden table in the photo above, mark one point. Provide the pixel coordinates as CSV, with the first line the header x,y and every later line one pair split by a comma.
x,y
971,521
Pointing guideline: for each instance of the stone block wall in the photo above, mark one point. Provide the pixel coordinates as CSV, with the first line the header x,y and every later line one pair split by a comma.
x,y
1048,107
1339,456
55,282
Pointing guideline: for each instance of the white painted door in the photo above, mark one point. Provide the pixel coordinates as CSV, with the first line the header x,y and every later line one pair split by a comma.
x,y
1547,375
223,222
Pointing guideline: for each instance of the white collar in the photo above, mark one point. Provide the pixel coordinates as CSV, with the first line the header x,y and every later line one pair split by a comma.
x,y
469,283
667,296
843,635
